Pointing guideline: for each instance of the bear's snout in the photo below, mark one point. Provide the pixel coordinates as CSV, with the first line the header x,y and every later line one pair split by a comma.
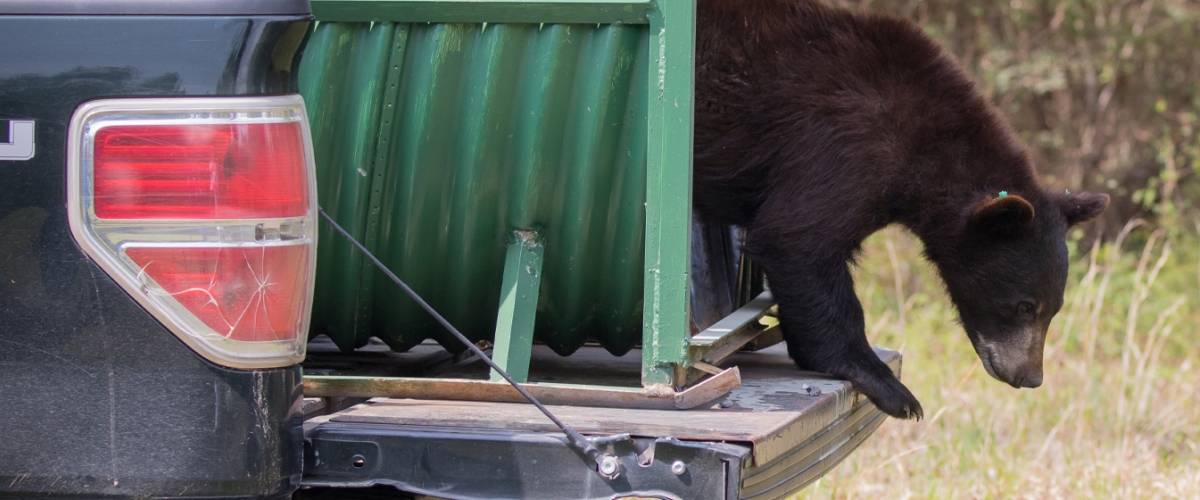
x,y
1017,361
1028,378
1017,373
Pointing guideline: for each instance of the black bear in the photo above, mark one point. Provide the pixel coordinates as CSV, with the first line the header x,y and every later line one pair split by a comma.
x,y
817,126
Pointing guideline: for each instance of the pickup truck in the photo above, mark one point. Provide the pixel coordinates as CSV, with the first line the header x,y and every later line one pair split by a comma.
x,y
178,319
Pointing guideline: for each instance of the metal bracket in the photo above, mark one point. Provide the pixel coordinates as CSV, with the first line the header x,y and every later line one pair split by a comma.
x,y
733,332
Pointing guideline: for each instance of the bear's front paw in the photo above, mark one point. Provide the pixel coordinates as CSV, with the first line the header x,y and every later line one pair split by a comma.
x,y
875,381
886,391
894,399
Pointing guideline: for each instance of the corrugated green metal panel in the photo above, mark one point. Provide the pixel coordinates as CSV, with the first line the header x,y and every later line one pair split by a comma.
x,y
342,79
481,130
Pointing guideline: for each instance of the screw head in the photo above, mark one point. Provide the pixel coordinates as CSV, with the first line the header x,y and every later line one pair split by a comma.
x,y
609,467
811,390
678,467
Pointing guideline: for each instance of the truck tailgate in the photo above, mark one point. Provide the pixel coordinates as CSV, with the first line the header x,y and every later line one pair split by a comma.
x,y
776,433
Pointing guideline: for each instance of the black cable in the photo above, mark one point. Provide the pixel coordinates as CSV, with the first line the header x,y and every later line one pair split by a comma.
x,y
577,440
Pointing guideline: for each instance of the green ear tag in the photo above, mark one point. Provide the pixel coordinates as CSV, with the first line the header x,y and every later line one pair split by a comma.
x,y
1004,194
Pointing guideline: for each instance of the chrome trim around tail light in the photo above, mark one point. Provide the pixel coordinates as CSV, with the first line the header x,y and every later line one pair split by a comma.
x,y
103,240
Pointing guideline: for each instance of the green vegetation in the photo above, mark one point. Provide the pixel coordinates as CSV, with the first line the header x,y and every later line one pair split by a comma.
x,y
1117,417
1105,93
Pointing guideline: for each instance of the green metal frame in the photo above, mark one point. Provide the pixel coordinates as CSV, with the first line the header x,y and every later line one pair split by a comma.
x,y
670,84
491,11
513,345
665,322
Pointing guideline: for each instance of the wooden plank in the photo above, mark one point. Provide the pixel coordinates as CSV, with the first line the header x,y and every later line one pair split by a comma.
x,y
700,394
719,425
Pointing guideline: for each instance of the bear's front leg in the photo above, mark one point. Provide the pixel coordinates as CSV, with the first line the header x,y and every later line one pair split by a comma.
x,y
822,322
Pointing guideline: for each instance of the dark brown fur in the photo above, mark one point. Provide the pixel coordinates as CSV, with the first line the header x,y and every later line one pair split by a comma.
x,y
816,127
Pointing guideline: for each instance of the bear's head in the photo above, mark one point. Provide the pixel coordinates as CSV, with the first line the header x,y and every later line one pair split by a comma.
x,y
1009,274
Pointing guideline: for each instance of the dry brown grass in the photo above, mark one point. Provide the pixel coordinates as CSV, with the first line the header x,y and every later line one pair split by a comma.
x,y
1117,417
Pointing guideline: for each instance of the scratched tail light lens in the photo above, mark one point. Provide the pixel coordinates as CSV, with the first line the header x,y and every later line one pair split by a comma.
x,y
242,293
204,211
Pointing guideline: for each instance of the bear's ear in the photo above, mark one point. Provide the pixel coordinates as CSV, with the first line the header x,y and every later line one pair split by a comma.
x,y
1003,215
1082,207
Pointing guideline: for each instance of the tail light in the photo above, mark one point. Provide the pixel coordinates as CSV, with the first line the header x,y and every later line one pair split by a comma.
x,y
203,210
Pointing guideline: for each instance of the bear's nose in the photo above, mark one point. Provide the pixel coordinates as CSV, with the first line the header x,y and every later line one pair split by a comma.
x,y
1030,380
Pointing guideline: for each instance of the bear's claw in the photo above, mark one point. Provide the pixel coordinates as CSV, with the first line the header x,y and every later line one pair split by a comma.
x,y
892,398
877,382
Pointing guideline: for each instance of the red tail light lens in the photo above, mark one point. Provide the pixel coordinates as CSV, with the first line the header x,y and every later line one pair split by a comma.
x,y
242,293
203,209
226,171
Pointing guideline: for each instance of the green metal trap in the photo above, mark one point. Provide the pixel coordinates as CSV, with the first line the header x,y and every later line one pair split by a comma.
x,y
525,166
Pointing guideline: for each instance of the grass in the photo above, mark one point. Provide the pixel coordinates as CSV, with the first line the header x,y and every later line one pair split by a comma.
x,y
1118,415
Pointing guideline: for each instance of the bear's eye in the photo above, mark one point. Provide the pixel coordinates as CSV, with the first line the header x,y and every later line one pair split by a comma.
x,y
1026,308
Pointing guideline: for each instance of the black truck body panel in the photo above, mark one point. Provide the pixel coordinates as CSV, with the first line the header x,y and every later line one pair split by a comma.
x,y
96,397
